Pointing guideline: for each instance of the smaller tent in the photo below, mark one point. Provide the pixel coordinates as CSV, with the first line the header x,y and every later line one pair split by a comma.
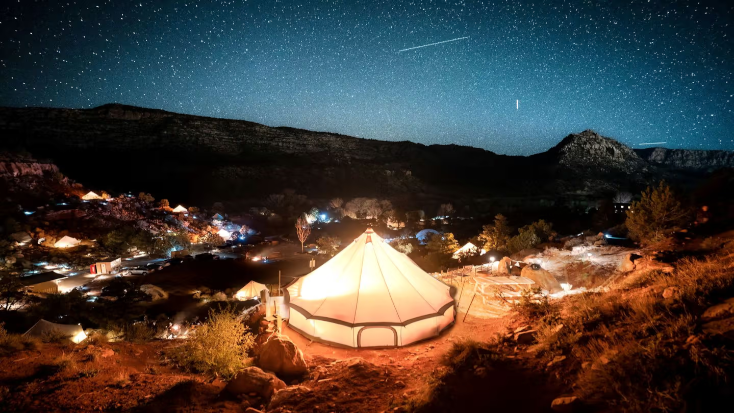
x,y
66,242
467,250
75,332
21,237
224,234
180,209
90,196
252,289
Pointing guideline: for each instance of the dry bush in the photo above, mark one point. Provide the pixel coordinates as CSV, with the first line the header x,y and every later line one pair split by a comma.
x,y
219,346
97,339
65,363
55,336
139,333
121,379
13,343
534,305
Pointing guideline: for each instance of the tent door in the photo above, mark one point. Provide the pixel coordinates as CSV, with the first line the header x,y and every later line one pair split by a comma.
x,y
377,336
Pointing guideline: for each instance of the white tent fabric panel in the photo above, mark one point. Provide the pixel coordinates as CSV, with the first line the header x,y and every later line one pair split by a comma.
x,y
369,284
75,332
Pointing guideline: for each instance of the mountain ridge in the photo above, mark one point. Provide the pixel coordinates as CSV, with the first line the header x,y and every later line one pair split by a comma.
x,y
190,156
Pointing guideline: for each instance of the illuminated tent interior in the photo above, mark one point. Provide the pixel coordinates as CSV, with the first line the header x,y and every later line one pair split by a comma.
x,y
180,209
251,290
66,242
91,195
75,332
369,295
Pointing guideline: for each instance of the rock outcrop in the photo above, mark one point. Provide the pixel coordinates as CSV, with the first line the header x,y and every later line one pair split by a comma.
x,y
542,278
688,159
281,356
254,380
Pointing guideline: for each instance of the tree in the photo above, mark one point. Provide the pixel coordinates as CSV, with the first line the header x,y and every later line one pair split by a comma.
x,y
443,243
12,292
622,198
494,237
656,216
445,210
531,235
328,245
403,245
147,198
164,204
336,203
303,229
193,210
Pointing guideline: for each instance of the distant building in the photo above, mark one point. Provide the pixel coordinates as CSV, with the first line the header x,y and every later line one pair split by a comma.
x,y
621,208
46,282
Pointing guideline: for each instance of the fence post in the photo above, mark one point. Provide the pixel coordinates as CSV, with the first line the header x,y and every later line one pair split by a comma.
x,y
467,309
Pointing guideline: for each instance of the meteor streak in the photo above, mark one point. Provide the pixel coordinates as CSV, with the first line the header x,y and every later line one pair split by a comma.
x,y
651,143
433,44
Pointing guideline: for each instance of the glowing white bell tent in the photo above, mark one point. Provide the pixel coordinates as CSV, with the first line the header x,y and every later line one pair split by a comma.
x,y
66,242
369,295
91,196
180,210
467,250
74,332
249,291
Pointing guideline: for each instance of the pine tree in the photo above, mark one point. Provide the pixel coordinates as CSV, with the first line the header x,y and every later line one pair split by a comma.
x,y
656,216
495,237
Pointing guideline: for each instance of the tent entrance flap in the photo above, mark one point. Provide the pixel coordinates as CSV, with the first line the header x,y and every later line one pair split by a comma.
x,y
377,336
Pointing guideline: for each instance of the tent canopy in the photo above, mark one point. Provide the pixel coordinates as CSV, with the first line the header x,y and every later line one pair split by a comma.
x,y
42,327
467,250
370,285
180,208
252,289
91,195
66,242
424,235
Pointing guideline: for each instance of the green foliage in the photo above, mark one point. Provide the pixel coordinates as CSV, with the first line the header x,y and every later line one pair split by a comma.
x,y
220,346
329,245
176,240
531,235
123,239
443,243
494,237
12,294
656,216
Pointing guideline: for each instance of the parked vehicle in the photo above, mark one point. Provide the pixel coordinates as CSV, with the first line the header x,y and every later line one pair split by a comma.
x,y
139,271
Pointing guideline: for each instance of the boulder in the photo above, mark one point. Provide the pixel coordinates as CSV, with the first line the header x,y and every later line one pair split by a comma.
x,y
505,266
542,278
289,396
628,263
671,292
281,356
565,404
254,380
525,337
723,327
725,309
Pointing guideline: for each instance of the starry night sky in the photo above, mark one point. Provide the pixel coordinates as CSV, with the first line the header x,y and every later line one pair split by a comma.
x,y
640,72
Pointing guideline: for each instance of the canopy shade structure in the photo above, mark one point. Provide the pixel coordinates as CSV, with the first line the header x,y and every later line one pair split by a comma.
x,y
66,242
249,291
180,209
467,250
369,295
75,332
91,195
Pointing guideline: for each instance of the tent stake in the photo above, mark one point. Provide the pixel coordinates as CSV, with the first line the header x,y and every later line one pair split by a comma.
x,y
467,309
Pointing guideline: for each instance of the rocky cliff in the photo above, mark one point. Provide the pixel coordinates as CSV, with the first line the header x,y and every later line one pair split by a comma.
x,y
12,165
688,159
198,158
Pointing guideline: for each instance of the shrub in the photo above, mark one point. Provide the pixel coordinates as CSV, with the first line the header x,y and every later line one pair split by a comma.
x,y
54,336
12,343
534,305
139,332
656,216
220,346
